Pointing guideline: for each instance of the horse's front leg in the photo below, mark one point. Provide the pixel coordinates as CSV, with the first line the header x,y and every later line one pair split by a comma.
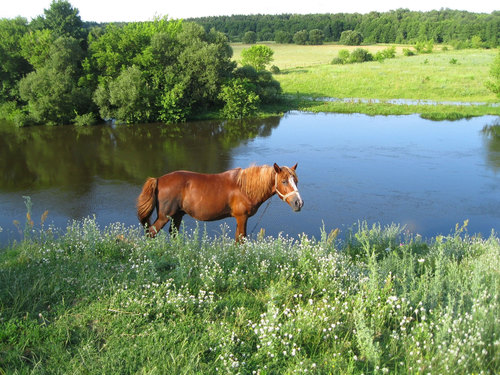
x,y
241,227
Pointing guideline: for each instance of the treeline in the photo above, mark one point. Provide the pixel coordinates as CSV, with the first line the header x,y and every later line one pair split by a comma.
x,y
57,69
397,26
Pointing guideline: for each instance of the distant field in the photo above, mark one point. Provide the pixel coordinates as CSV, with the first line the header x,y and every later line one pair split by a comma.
x,y
289,56
306,70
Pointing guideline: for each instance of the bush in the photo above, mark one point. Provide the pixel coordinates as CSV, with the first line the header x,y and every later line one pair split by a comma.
x,y
342,57
275,70
424,46
360,55
240,99
388,53
86,119
264,85
408,52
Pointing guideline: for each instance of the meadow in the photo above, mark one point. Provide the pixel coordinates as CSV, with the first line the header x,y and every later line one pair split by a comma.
x,y
445,75
91,300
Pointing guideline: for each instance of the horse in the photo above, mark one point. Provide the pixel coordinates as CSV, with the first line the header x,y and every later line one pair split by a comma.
x,y
207,197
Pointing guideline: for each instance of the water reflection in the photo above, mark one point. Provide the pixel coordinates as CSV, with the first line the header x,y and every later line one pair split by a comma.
x,y
71,157
492,145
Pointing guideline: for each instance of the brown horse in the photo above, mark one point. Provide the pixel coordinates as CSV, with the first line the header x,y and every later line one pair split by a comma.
x,y
237,192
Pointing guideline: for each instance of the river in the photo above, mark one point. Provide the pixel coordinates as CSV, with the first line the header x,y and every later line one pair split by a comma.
x,y
425,175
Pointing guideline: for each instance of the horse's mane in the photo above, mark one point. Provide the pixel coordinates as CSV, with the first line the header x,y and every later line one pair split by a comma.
x,y
256,181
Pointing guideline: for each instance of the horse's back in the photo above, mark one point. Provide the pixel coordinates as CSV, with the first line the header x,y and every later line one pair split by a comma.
x,y
202,196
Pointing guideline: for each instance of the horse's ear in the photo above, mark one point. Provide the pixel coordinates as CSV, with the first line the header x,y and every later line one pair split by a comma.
x,y
295,166
277,168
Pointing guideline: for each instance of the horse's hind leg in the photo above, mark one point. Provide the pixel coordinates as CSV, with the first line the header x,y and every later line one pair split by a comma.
x,y
158,224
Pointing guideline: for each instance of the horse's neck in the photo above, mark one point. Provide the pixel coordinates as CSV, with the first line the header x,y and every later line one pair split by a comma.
x,y
258,192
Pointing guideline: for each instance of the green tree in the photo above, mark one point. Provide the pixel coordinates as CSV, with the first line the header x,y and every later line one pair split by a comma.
x,y
182,65
36,47
257,56
494,83
130,97
265,86
316,37
13,65
62,19
301,37
250,37
282,37
351,38
240,99
52,91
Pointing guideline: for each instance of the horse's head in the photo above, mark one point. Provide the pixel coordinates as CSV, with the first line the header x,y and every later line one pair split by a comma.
x,y
285,185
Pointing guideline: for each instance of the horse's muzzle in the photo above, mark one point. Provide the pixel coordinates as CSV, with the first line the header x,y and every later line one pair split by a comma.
x,y
296,204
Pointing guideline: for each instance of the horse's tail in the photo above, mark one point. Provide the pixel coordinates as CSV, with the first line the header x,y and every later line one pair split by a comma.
x,y
146,202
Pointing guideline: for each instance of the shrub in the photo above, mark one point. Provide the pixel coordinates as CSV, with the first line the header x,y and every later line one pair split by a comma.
x,y
275,70
240,99
85,119
342,57
360,55
408,52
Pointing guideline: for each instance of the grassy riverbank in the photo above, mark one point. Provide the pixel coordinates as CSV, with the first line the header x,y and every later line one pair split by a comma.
x,y
111,301
442,76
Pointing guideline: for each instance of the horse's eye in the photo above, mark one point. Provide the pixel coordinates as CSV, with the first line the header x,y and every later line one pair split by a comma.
x,y
284,182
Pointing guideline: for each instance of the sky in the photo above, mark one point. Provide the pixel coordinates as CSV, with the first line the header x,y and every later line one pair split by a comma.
x,y
143,10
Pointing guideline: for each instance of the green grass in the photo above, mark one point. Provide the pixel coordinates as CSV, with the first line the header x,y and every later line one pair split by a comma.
x,y
109,300
306,73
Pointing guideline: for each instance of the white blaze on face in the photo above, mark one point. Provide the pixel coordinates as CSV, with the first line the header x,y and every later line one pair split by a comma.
x,y
294,187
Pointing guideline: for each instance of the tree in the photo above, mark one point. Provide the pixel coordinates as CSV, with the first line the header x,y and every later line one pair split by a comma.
x,y
494,83
257,56
52,91
130,96
250,37
182,65
265,86
62,19
351,38
282,37
13,65
316,37
301,37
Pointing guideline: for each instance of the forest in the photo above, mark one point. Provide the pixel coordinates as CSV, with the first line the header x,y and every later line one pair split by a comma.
x,y
58,69
398,26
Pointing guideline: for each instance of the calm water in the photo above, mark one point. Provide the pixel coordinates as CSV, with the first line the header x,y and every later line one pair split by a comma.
x,y
426,175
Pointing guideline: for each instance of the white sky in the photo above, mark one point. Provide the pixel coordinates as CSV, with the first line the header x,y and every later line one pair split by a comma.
x,y
142,10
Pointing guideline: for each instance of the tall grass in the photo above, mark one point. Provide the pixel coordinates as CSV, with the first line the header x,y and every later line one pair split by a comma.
x,y
379,300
